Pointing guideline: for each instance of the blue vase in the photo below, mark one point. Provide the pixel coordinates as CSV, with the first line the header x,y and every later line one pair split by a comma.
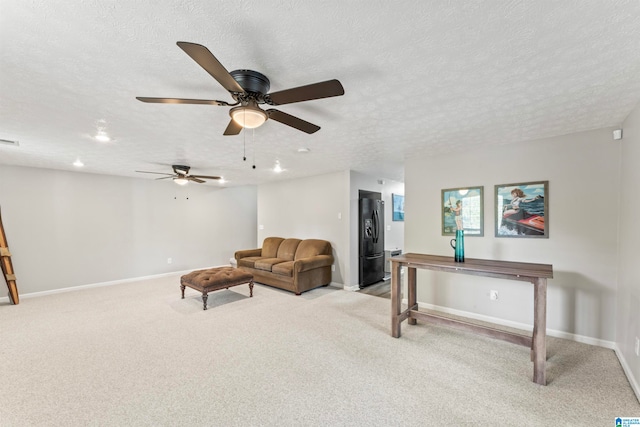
x,y
458,245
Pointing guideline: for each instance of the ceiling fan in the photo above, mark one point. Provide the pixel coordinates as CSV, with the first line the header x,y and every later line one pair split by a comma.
x,y
249,89
181,175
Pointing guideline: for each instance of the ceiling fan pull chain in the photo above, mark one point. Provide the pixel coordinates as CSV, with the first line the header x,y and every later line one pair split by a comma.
x,y
253,142
244,146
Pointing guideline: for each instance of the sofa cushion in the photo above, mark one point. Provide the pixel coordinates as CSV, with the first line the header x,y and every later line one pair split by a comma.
x,y
287,249
249,261
283,268
312,247
270,247
267,263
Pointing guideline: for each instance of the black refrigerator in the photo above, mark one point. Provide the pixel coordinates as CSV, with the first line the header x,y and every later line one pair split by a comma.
x,y
371,241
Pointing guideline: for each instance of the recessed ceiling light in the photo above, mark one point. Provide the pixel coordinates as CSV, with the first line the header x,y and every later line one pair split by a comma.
x,y
277,168
78,163
101,131
102,136
303,150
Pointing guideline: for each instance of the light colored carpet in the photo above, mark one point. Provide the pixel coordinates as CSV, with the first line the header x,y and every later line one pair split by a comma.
x,y
137,355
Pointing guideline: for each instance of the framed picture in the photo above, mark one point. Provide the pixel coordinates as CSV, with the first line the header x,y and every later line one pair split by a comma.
x,y
398,207
462,208
522,209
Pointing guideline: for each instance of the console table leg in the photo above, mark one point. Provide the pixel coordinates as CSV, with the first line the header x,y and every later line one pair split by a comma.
x,y
539,331
395,299
411,292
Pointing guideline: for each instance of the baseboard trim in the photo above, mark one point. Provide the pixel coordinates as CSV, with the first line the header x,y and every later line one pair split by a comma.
x,y
101,284
627,371
495,320
351,288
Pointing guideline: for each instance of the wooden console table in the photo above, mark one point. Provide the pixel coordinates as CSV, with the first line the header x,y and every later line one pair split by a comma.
x,y
537,274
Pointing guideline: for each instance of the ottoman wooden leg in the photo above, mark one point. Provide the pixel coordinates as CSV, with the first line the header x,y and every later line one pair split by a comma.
x,y
182,289
251,288
204,300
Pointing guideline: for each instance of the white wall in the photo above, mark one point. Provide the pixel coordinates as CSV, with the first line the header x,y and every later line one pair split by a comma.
x,y
583,175
628,310
70,229
313,207
67,229
393,237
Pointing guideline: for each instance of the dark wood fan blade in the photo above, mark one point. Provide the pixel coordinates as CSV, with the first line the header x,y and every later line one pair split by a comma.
x,y
293,121
157,173
307,93
206,60
193,178
181,101
233,128
167,177
204,176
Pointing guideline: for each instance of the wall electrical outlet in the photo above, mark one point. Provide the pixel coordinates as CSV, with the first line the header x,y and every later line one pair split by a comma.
x,y
637,346
493,295
169,260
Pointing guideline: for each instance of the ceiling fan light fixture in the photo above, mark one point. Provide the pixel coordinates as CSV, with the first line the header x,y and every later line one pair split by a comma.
x,y
248,116
180,181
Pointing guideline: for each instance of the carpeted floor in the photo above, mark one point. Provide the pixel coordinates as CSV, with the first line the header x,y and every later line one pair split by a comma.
x,y
137,355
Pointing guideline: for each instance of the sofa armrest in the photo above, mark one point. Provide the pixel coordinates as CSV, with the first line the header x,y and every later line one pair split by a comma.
x,y
317,261
247,252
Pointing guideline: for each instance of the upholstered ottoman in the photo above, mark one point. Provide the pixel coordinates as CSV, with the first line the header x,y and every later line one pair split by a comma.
x,y
214,279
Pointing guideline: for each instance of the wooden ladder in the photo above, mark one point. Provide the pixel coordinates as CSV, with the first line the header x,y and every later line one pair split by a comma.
x,y
7,267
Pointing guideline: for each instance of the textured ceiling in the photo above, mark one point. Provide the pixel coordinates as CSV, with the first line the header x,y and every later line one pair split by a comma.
x,y
423,77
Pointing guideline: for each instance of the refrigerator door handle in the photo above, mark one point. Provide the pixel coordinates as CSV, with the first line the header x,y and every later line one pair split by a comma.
x,y
375,226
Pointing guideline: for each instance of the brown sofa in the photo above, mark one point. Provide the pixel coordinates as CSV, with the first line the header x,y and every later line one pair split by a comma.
x,y
291,264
